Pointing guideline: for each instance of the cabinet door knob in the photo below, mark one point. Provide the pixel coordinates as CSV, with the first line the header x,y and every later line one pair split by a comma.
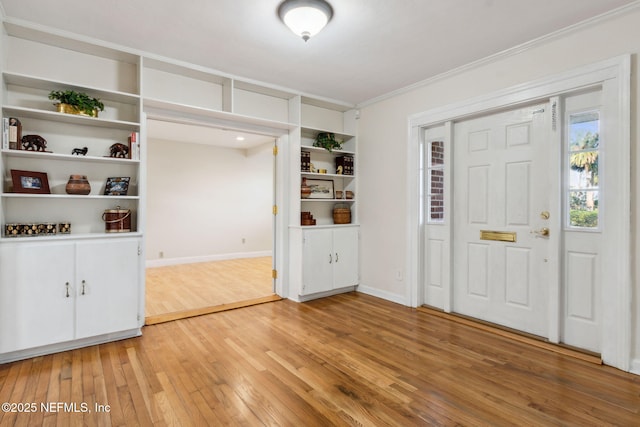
x,y
67,286
330,259
337,257
83,283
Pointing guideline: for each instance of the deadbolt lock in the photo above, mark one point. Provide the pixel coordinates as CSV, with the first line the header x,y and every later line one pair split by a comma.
x,y
545,215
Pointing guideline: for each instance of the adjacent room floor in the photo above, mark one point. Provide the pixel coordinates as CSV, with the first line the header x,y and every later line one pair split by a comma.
x,y
185,290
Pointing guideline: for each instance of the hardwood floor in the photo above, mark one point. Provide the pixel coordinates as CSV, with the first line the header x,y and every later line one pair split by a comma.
x,y
185,290
349,359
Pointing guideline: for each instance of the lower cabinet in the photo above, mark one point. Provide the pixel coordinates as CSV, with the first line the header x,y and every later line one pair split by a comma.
x,y
107,287
54,292
330,259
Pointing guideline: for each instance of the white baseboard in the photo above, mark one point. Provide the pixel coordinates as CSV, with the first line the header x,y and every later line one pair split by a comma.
x,y
68,345
305,298
399,299
204,258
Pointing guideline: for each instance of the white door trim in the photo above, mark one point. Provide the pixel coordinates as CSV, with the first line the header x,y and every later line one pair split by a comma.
x,y
613,75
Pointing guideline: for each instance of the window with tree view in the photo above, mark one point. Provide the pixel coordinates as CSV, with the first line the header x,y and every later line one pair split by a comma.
x,y
583,152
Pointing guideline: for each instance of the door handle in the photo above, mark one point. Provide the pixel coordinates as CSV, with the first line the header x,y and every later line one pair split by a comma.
x,y
543,232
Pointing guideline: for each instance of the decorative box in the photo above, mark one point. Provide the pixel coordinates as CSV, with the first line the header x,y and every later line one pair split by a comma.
x,y
47,228
30,229
12,230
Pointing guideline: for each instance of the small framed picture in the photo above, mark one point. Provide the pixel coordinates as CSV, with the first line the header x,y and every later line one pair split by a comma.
x,y
320,188
30,182
117,186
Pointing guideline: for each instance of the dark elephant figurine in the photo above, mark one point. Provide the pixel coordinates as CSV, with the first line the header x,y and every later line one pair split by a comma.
x,y
79,151
34,143
119,150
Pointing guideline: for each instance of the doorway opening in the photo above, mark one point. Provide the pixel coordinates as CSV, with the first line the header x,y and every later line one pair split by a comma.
x,y
210,234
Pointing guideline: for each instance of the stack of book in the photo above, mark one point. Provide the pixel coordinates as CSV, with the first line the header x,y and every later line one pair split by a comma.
x,y
134,146
305,161
344,165
11,133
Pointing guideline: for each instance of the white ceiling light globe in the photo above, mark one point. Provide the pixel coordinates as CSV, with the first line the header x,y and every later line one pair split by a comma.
x,y
305,17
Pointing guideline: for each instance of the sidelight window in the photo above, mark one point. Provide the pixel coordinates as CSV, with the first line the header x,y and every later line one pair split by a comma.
x,y
582,159
435,181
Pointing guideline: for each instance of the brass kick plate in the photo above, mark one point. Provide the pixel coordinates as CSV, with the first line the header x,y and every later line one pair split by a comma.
x,y
500,236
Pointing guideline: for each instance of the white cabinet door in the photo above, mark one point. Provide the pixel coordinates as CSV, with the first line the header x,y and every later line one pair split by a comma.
x,y
36,295
107,287
330,259
345,257
317,264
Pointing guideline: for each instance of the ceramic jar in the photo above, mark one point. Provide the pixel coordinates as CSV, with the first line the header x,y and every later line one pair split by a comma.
x,y
78,184
305,190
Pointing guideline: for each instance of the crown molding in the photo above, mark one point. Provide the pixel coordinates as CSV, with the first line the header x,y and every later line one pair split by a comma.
x,y
516,50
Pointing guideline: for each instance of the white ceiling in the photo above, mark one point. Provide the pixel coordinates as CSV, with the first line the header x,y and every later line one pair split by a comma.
x,y
370,48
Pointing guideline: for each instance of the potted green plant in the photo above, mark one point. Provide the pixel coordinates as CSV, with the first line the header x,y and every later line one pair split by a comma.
x,y
327,141
72,102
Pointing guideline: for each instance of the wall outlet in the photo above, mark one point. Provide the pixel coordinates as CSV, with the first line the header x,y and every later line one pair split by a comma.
x,y
161,254
243,240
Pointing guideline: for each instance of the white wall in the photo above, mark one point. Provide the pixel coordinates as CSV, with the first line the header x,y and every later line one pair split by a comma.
x,y
383,136
203,200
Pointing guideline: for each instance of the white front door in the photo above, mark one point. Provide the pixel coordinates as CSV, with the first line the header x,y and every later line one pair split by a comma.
x,y
501,210
588,266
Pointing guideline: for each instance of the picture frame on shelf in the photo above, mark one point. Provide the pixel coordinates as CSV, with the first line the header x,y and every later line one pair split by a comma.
x,y
30,182
320,188
117,186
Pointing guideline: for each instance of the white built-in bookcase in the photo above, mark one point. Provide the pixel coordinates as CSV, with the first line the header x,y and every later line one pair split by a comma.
x,y
135,86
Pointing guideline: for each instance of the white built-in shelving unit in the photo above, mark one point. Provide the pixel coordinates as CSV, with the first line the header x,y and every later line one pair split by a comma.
x,y
90,283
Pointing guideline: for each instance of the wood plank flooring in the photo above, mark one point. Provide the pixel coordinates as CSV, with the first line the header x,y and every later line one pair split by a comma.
x,y
185,290
347,360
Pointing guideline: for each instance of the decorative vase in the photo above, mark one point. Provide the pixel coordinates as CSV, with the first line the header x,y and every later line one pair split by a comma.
x,y
305,190
78,184
70,109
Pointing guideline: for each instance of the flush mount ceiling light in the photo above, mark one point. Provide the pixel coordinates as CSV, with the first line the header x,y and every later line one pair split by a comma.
x,y
305,17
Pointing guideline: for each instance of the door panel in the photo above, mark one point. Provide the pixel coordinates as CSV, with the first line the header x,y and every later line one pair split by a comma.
x,y
518,285
518,182
317,253
107,287
477,280
37,304
581,286
501,184
478,203
345,257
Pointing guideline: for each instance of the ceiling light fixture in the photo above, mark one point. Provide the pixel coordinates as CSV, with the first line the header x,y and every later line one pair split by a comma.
x,y
305,17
